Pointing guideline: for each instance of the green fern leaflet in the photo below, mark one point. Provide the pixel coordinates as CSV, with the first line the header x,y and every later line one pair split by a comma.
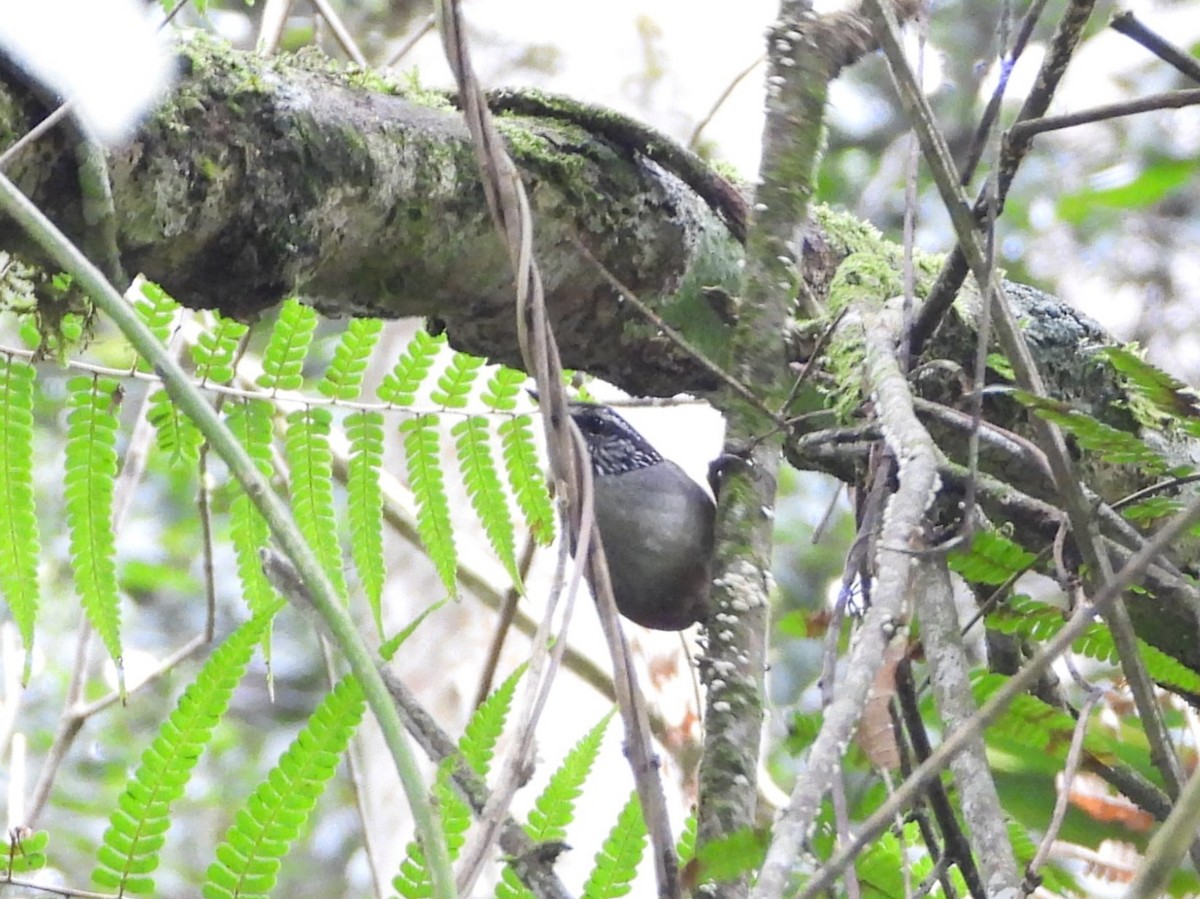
x,y
617,860
20,547
311,464
157,310
250,422
401,385
555,807
249,858
215,350
364,506
502,388
476,746
343,378
485,490
454,386
90,478
524,470
421,446
283,359
137,829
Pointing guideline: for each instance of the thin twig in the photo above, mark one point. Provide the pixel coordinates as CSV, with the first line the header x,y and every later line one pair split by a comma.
x,y
1129,25
1023,131
741,76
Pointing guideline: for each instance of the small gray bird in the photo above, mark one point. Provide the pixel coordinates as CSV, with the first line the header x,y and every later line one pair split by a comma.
x,y
656,522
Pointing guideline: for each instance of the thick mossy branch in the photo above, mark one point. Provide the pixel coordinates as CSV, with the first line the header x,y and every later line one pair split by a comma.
x,y
257,179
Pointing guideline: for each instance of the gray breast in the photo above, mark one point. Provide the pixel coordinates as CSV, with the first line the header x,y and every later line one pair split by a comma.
x,y
660,558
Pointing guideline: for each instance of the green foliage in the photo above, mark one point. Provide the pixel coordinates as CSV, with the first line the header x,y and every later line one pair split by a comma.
x,y
343,378
90,477
247,862
502,388
27,853
413,881
686,847
617,861
175,434
311,463
364,506
400,386
555,807
20,545
157,310
421,445
475,747
881,866
1111,444
1170,396
990,558
283,359
137,828
479,738
732,856
1033,729
485,490
250,422
1156,181
525,477
215,350
1032,620
454,385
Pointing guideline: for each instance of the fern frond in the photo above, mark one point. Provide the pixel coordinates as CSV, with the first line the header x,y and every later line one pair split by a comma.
x,y
250,422
524,471
485,490
429,490
1173,398
343,378
20,546
311,464
175,434
157,310
502,388
364,506
990,558
413,880
283,359
88,487
1032,620
1152,509
617,861
1026,618
214,350
1111,444
478,741
1036,727
454,384
248,859
476,747
137,828
1097,643
401,385
555,807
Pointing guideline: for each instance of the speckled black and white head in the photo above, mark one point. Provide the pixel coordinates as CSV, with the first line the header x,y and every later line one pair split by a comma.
x,y
614,445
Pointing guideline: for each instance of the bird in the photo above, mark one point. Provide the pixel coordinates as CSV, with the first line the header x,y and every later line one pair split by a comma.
x,y
655,520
